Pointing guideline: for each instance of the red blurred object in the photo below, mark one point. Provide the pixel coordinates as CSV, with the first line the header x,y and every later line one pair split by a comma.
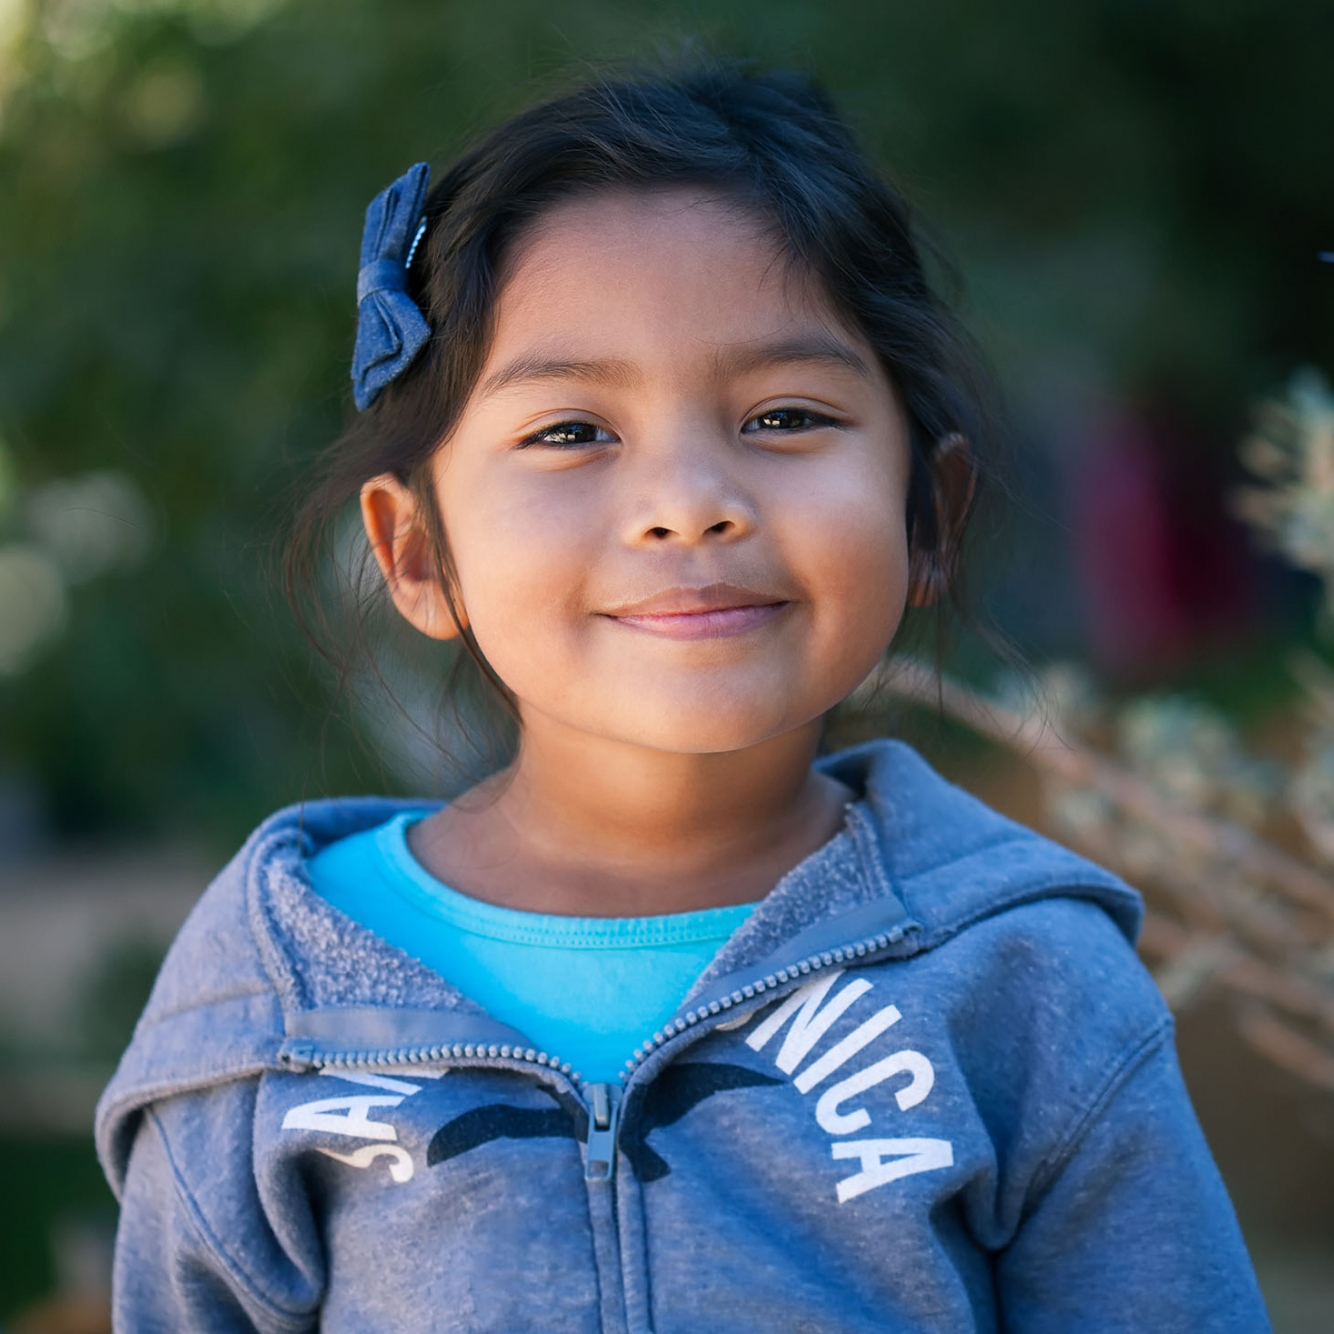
x,y
1164,571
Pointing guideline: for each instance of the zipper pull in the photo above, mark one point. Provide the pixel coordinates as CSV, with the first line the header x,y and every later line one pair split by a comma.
x,y
601,1157
298,1057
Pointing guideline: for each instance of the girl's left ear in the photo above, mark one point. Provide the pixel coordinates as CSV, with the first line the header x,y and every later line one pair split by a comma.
x,y
953,483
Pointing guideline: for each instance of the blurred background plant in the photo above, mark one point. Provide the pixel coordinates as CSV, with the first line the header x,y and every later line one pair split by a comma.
x,y
1235,849
1136,194
62,533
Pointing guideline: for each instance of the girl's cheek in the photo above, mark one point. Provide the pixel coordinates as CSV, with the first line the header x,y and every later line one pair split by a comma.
x,y
854,520
525,578
496,527
863,563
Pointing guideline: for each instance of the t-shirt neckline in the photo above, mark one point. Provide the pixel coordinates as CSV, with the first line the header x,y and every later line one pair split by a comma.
x,y
520,926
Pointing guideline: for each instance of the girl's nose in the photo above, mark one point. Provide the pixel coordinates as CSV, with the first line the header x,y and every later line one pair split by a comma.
x,y
689,495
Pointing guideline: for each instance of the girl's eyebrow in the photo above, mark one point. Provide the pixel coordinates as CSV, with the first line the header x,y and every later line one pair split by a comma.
x,y
821,349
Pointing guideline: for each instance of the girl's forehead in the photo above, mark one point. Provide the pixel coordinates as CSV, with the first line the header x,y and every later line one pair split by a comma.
x,y
609,218
668,267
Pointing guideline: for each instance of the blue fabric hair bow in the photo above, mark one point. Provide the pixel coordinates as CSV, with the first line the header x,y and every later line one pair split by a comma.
x,y
390,328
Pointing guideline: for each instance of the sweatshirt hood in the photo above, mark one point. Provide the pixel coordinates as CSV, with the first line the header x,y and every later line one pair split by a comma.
x,y
263,962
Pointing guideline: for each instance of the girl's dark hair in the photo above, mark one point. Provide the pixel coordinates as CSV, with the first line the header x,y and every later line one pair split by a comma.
x,y
771,142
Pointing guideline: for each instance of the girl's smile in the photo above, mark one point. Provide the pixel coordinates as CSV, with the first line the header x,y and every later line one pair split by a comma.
x,y
705,624
700,613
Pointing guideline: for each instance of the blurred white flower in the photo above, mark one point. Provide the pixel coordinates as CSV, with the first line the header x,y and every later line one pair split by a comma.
x,y
33,606
1311,795
1081,812
91,524
1191,753
1291,450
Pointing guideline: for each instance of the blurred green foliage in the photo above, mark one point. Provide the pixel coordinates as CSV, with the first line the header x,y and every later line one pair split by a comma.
x,y
182,182
47,1181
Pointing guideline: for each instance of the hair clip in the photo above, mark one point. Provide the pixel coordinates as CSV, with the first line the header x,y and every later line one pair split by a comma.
x,y
390,327
416,241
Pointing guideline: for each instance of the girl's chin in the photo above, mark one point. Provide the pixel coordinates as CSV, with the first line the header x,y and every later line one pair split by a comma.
x,y
690,729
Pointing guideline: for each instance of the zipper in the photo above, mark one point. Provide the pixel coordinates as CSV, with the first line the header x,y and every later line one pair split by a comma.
x,y
300,1056
772,982
600,1159
812,963
604,1105
604,1100
303,1056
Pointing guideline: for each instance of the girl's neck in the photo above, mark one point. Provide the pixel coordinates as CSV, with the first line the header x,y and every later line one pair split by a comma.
x,y
581,826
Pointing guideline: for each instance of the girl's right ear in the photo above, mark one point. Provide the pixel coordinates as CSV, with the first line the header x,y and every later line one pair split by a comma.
x,y
402,550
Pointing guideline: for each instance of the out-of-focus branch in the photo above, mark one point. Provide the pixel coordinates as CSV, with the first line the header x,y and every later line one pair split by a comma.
x,y
1287,1048
1079,765
1191,959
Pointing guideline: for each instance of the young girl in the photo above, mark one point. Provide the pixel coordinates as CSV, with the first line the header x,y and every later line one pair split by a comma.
x,y
674,1022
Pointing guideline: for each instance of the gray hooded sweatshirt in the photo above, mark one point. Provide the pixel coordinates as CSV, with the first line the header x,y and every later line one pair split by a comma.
x,y
925,1086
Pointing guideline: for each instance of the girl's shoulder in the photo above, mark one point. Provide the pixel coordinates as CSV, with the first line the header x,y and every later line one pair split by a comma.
x,y
258,948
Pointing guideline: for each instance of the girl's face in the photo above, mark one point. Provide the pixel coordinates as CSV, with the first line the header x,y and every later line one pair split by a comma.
x,y
664,408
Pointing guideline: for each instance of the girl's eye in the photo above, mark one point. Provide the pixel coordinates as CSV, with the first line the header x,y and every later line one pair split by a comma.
x,y
788,420
568,434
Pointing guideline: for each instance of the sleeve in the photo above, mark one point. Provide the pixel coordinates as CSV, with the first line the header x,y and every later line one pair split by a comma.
x,y
172,1272
1131,1228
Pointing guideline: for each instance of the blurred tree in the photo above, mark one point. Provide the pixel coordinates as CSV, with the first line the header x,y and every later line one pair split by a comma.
x,y
182,185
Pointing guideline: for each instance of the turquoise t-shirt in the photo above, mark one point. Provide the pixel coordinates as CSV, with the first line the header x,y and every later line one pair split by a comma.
x,y
587,990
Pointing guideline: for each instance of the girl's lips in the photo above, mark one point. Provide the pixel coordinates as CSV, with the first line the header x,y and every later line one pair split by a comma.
x,y
704,624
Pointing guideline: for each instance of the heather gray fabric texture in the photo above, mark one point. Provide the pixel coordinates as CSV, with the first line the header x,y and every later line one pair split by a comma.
x,y
925,1086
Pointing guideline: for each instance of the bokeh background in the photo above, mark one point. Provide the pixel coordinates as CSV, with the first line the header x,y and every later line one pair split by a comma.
x,y
1138,196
